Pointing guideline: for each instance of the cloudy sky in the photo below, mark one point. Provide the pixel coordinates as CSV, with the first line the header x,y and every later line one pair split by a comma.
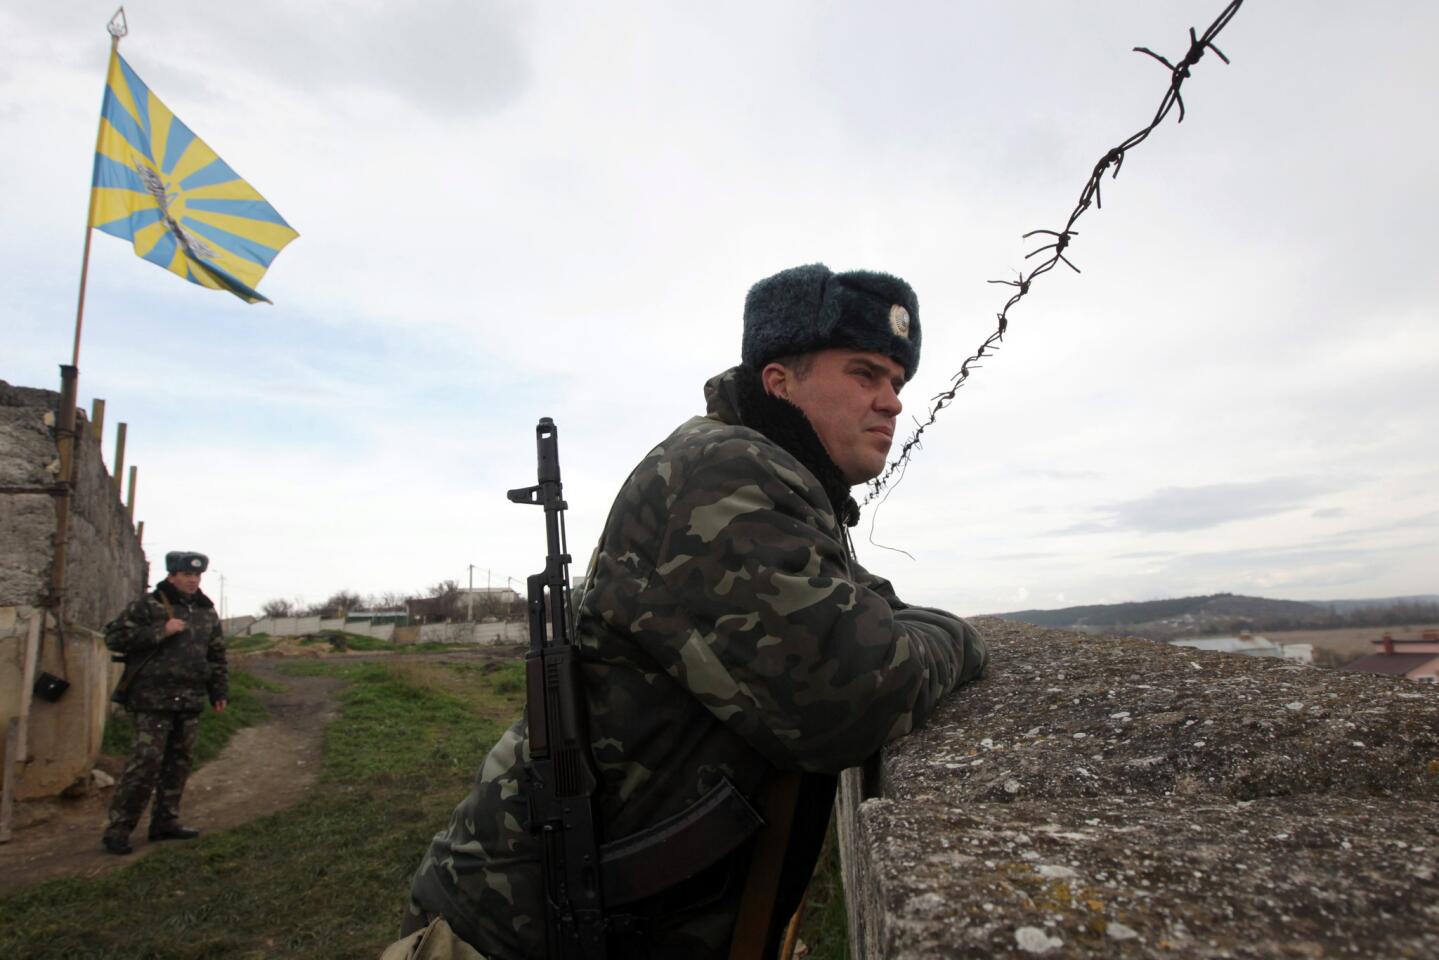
x,y
511,210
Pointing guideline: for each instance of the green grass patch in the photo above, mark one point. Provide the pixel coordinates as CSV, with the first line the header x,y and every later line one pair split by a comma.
x,y
340,641
249,643
325,879
824,926
245,709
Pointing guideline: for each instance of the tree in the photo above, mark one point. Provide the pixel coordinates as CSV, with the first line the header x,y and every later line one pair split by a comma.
x,y
278,608
340,603
391,600
446,595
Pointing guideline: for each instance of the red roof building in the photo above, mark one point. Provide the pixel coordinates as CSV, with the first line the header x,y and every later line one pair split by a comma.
x,y
1411,657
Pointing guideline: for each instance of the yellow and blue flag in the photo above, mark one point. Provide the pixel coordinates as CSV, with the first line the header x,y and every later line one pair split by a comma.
x,y
162,188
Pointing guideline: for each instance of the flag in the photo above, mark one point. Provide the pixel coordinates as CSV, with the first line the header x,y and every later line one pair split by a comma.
x,y
162,188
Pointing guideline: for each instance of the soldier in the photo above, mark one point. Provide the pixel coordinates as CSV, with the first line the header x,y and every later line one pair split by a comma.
x,y
174,658
732,648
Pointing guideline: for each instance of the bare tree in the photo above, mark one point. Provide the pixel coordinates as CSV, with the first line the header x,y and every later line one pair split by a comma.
x,y
446,595
340,603
278,608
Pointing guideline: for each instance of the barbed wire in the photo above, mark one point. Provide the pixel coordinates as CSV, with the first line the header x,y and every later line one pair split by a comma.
x,y
1089,196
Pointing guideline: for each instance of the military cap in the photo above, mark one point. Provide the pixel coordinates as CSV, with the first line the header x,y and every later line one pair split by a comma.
x,y
185,561
809,308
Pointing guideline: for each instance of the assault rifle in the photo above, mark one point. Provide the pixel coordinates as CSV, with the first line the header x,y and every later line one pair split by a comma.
x,y
592,890
560,775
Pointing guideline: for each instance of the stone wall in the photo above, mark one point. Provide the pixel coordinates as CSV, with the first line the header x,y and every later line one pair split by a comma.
x,y
29,460
105,569
1121,798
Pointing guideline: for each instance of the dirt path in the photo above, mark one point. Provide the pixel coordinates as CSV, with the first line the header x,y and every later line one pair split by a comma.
x,y
261,770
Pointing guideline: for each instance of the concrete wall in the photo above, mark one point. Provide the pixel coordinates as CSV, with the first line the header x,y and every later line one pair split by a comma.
x,y
380,631
285,626
301,626
105,570
237,626
1120,798
481,633
60,740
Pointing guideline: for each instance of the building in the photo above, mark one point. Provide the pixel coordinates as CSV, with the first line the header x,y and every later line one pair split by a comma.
x,y
55,672
1416,658
430,609
1249,645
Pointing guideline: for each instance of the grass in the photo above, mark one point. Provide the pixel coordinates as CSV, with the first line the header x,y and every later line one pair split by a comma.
x,y
325,879
339,641
824,926
328,878
359,642
249,643
245,710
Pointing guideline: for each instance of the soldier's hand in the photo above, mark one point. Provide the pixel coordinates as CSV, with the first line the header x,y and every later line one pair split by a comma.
x,y
220,705
173,626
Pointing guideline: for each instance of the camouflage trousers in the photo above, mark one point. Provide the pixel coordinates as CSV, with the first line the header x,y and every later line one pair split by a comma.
x,y
159,763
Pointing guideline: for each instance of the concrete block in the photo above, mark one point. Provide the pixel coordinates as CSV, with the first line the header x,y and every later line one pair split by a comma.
x,y
1192,804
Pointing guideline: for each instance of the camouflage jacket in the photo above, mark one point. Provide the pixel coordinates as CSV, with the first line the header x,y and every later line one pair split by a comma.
x,y
726,631
175,673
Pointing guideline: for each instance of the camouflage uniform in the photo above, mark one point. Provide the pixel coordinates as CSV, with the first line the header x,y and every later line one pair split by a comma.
x,y
170,679
726,631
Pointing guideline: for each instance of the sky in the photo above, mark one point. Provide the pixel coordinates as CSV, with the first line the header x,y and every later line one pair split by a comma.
x,y
511,210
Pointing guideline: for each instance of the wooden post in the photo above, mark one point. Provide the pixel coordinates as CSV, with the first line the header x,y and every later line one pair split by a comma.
x,y
130,499
28,668
120,458
7,790
65,440
140,532
97,420
117,29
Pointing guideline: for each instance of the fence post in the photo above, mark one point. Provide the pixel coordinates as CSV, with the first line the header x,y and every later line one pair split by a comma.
x,y
7,788
120,458
97,420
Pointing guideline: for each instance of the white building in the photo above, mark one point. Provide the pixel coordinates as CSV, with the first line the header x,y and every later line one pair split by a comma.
x,y
1249,645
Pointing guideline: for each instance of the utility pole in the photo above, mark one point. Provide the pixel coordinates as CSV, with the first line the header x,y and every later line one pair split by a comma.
x,y
470,597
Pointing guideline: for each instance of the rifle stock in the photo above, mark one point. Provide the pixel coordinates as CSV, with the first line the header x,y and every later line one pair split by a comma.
x,y
561,780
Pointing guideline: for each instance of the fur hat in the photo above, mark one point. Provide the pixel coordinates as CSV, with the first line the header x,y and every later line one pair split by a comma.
x,y
184,561
809,308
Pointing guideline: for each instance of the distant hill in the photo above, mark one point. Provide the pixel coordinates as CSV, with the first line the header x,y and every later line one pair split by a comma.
x,y
1345,605
1231,613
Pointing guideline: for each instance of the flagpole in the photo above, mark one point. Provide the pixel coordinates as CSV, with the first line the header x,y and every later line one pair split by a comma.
x,y
117,28
69,393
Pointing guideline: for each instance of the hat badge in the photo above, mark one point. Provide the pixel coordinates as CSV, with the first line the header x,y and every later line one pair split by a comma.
x,y
194,561
899,321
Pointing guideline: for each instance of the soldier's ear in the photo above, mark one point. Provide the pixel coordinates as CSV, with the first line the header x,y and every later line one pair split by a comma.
x,y
775,378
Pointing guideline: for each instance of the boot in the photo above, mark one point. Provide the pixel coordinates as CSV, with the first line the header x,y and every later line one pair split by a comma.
x,y
116,844
171,830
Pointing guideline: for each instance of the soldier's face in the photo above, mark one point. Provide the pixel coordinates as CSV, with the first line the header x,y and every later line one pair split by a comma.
x,y
851,397
185,581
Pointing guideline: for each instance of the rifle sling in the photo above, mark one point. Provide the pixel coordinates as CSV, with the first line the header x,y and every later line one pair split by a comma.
x,y
761,888
658,857
127,678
